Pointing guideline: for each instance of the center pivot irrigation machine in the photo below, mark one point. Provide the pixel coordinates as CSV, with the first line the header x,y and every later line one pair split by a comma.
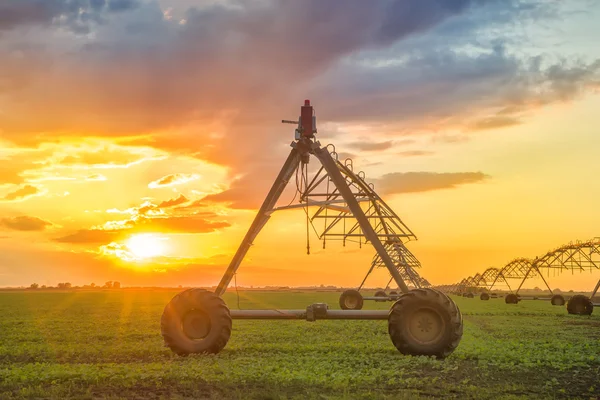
x,y
422,321
580,256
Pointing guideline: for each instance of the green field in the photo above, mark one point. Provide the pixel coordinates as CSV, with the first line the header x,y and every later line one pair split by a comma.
x,y
108,345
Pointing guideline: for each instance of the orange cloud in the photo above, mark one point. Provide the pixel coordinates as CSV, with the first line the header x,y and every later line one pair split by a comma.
x,y
185,224
173,179
372,146
22,193
415,153
174,202
91,236
493,122
10,173
196,204
25,223
412,182
103,157
114,231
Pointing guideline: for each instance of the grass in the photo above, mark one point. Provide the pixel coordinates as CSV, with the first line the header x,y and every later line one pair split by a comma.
x,y
107,344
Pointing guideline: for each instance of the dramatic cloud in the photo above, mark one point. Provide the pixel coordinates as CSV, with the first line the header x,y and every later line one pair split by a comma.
x,y
186,224
181,199
198,64
25,223
147,218
245,192
10,173
167,224
91,236
372,146
22,193
412,182
102,157
76,15
173,179
493,123
401,66
415,153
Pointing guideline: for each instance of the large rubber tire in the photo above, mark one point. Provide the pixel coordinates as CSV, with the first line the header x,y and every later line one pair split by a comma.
x,y
425,322
511,298
351,299
484,296
196,321
381,293
580,305
557,300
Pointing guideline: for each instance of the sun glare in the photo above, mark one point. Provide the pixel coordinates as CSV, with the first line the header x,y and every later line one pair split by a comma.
x,y
146,245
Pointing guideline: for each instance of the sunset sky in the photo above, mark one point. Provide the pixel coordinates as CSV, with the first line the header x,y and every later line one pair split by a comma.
x,y
138,137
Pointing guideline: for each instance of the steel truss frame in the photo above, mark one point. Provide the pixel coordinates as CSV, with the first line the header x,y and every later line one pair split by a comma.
x,y
332,222
579,256
338,193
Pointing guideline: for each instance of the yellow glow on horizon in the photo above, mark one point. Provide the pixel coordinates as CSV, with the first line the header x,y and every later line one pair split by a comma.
x,y
146,245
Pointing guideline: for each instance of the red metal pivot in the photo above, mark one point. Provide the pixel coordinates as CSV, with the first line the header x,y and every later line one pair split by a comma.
x,y
306,119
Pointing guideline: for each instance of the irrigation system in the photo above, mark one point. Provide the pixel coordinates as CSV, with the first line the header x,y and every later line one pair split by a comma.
x,y
581,256
339,204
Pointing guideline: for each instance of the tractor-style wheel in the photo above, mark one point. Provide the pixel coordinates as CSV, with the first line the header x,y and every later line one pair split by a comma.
x,y
484,296
511,298
557,300
380,293
580,305
196,321
425,322
351,299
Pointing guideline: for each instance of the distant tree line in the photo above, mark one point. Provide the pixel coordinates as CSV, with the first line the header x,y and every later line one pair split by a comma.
x,y
68,285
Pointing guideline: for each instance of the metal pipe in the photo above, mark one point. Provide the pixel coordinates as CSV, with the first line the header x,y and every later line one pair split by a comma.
x,y
301,314
386,298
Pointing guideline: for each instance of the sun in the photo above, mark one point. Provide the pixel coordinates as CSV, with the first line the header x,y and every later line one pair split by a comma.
x,y
146,245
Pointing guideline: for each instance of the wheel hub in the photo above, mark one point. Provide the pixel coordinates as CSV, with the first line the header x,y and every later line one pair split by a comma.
x,y
426,325
351,302
196,324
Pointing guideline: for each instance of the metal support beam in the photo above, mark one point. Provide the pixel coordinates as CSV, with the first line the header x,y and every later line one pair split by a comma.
x,y
388,284
544,279
595,289
524,279
302,314
366,276
338,180
289,167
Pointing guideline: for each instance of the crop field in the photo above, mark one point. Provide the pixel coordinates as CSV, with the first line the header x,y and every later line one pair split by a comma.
x,y
107,344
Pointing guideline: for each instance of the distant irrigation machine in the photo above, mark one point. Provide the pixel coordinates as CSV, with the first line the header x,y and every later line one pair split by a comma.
x,y
422,321
574,257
